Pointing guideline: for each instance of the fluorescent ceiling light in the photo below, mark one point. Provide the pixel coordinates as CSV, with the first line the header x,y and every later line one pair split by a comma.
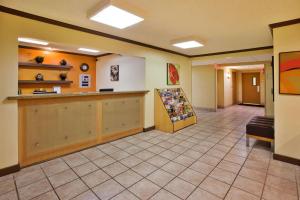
x,y
188,44
33,41
116,17
88,50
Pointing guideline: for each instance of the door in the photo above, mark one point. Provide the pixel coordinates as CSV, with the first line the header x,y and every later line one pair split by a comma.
x,y
251,88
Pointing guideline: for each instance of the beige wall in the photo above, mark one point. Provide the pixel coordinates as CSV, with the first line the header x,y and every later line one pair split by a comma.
x,y
269,105
204,87
287,107
155,70
228,101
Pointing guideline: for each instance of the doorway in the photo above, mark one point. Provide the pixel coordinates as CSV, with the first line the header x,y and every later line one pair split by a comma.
x,y
251,88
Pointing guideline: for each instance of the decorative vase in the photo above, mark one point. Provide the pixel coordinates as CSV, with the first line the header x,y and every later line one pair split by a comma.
x,y
63,76
63,62
39,59
39,77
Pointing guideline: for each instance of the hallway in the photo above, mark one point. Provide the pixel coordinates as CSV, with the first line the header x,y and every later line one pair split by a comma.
x,y
208,160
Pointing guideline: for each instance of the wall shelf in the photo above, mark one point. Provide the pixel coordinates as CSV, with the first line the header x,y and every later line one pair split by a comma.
x,y
47,66
44,82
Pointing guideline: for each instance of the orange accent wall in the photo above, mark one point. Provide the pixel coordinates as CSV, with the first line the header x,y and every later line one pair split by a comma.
x,y
28,55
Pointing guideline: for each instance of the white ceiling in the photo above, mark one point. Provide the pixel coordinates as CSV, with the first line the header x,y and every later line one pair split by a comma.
x,y
222,25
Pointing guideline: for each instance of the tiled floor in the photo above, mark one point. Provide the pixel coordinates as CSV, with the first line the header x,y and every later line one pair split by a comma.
x,y
206,161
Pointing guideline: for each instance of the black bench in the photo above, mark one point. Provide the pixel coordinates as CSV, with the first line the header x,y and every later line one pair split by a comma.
x,y
260,128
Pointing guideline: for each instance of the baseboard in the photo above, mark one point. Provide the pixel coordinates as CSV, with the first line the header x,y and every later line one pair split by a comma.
x,y
9,170
206,109
148,129
248,104
287,159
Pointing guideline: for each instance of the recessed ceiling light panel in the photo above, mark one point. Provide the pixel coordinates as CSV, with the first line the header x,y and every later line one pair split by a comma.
x,y
32,41
188,44
88,50
116,17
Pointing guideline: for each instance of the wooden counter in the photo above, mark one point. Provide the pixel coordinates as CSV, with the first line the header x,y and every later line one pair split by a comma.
x,y
56,124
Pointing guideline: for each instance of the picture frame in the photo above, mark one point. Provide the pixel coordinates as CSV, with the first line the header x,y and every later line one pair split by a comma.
x,y
173,74
289,73
114,73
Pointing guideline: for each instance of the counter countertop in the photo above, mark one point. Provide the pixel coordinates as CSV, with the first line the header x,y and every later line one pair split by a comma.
x,y
78,94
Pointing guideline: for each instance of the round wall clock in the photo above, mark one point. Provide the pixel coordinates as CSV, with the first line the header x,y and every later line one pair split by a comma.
x,y
84,67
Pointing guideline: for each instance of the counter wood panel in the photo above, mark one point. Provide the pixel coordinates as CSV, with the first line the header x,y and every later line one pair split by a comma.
x,y
53,127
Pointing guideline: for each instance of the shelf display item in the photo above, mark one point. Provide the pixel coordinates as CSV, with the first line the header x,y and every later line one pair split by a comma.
x,y
177,109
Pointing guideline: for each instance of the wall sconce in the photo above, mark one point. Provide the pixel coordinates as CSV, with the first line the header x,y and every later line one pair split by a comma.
x,y
228,75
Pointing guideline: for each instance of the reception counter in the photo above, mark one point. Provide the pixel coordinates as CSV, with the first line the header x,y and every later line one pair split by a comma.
x,y
52,125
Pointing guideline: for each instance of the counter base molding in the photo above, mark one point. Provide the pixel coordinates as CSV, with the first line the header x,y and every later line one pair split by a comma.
x,y
49,128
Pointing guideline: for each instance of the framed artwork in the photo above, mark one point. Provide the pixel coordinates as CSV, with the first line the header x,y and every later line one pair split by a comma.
x,y
173,74
289,72
114,73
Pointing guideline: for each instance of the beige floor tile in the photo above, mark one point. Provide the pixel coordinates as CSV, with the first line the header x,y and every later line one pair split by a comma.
x,y
235,194
202,167
235,159
93,153
229,166
156,149
256,165
166,145
180,188
253,174
169,154
281,184
85,169
200,194
119,155
6,186
131,161
133,149
88,195
157,161
215,187
282,172
192,154
210,160
173,168
144,169
178,149
125,195
164,195
75,159
62,178
128,178
28,178
144,189
184,160
71,190
104,161
47,196
160,177
271,193
34,189
144,155
12,195
223,175
248,185
95,178
55,168
216,153
108,189
115,169
109,149
192,176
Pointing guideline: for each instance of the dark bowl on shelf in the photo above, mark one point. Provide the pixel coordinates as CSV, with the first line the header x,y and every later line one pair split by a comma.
x,y
63,76
63,62
39,59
